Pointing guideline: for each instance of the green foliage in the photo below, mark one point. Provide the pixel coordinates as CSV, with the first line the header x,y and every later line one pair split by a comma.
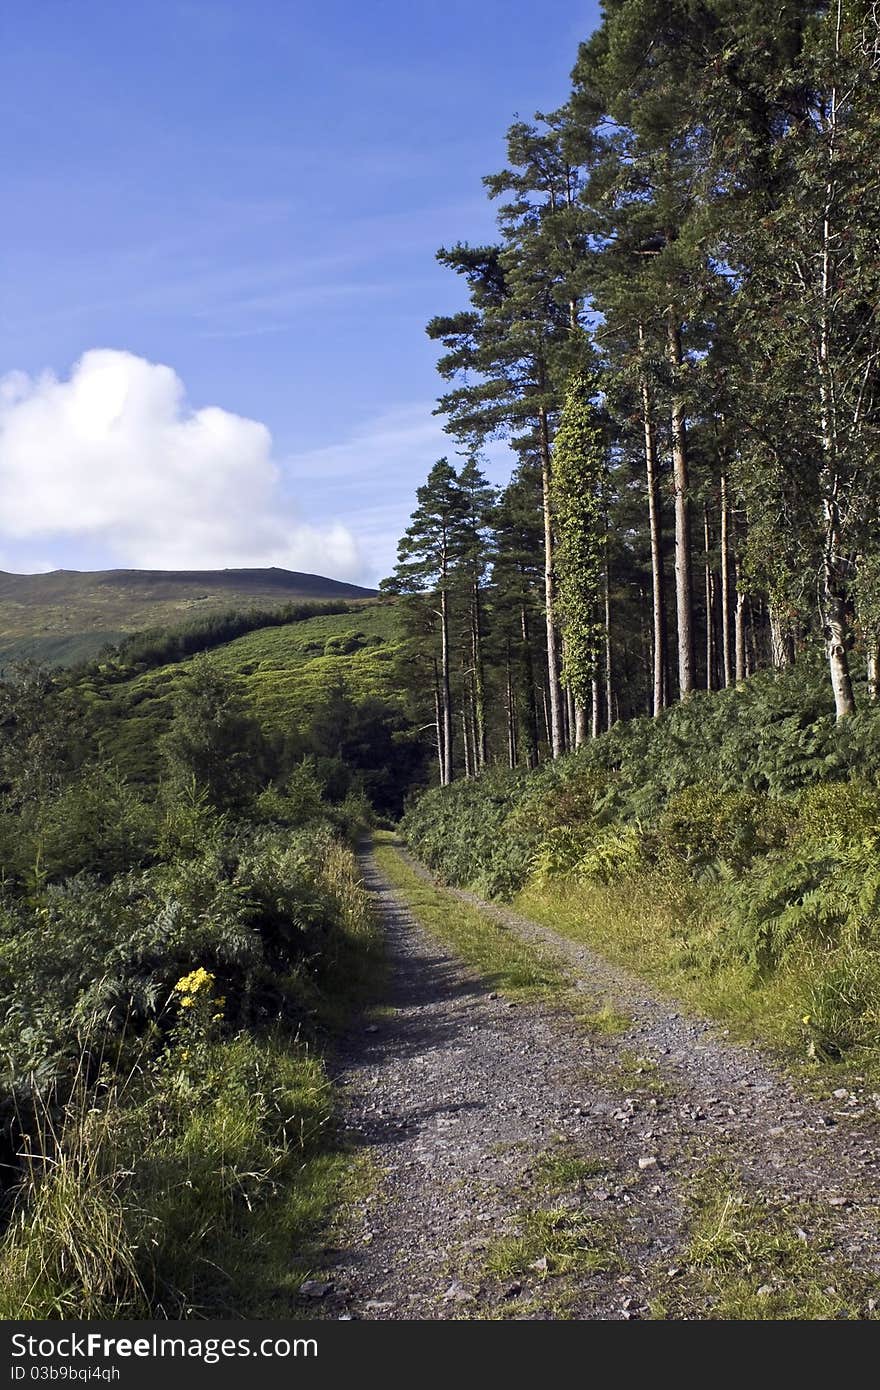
x,y
166,1193
166,953
159,647
576,495
214,741
748,817
462,832
704,825
287,678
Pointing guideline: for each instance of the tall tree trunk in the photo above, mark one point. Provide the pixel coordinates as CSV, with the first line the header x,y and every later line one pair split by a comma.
x,y
510,701
569,720
472,735
683,583
609,681
725,584
873,645
567,700
596,711
834,588
580,724
465,741
557,738
658,602
836,641
531,711
438,719
479,679
781,639
710,601
834,608
445,685
739,623
647,651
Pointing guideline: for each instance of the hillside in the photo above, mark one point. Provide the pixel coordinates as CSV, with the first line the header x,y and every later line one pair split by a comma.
x,y
287,673
69,615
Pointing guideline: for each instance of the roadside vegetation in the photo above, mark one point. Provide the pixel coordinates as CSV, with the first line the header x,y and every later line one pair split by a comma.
x,y
727,851
175,956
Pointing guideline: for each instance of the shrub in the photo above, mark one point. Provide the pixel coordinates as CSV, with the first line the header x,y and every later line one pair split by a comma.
x,y
704,825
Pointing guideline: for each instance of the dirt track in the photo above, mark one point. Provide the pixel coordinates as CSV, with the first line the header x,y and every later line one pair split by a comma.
x,y
485,1120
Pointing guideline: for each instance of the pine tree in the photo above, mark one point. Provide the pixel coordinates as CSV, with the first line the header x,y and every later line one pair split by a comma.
x,y
427,555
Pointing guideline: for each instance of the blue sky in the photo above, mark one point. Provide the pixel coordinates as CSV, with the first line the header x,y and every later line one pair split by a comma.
x,y
250,194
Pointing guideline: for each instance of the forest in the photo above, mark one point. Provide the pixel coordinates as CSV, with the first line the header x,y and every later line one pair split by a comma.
x,y
676,332
183,932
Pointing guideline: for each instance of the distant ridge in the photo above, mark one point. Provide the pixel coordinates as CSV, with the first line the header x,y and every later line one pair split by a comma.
x,y
66,616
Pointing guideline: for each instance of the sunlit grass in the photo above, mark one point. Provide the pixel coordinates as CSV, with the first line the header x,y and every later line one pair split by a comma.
x,y
505,962
666,942
749,1259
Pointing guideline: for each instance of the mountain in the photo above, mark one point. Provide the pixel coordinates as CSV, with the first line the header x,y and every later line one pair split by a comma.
x,y
67,616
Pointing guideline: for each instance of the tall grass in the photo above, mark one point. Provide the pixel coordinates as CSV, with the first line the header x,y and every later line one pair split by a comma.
x,y
186,1173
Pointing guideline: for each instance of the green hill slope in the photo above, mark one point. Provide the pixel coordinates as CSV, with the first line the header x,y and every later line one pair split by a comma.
x,y
287,673
68,616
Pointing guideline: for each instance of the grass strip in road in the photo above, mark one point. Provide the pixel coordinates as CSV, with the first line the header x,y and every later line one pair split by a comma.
x,y
513,967
750,1258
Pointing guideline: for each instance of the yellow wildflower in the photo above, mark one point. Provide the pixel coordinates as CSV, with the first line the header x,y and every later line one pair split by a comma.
x,y
196,980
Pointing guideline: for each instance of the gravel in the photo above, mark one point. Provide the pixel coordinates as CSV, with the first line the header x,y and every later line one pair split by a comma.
x,y
455,1098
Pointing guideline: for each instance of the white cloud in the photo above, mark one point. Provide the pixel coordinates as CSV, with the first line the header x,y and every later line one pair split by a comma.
x,y
115,456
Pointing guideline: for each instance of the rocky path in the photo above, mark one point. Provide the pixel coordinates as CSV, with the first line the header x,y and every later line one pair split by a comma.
x,y
527,1168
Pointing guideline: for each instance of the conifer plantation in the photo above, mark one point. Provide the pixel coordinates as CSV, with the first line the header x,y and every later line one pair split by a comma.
x,y
676,332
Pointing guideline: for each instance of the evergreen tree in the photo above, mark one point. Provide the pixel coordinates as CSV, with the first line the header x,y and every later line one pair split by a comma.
x,y
517,586
427,556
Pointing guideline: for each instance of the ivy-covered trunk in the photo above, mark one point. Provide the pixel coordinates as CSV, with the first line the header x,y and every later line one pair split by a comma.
x,y
781,638
554,686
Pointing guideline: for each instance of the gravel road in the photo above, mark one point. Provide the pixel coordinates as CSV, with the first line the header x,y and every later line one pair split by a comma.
x,y
484,1121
